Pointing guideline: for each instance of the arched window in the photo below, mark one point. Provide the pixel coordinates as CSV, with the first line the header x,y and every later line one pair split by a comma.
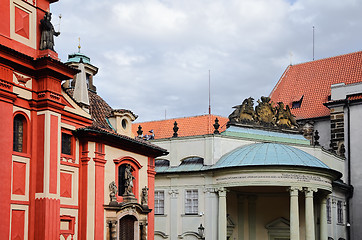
x,y
19,133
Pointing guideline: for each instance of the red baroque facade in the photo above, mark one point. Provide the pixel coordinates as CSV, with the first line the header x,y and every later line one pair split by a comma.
x,y
59,157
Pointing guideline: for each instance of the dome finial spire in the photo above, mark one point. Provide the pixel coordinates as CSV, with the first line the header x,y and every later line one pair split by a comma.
x,y
79,45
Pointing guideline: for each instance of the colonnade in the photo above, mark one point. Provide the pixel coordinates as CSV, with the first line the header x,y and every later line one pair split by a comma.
x,y
294,214
309,214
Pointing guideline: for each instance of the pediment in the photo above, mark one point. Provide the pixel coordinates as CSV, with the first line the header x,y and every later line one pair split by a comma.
x,y
278,224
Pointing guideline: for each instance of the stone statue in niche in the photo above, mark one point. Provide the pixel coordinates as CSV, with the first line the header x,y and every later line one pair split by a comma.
x,y
47,33
128,183
113,191
144,197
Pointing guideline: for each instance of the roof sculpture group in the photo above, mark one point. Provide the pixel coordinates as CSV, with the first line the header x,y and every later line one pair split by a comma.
x,y
265,114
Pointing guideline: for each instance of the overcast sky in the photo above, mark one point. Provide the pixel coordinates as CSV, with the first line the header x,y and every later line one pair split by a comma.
x,y
154,56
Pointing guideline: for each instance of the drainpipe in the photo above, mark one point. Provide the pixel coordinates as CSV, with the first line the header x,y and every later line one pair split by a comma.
x,y
349,196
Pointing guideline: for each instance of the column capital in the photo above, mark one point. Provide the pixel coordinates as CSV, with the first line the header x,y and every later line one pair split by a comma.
x,y
221,191
294,191
309,191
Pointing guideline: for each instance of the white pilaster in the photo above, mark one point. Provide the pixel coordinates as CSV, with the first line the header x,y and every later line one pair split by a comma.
x,y
222,214
210,217
173,213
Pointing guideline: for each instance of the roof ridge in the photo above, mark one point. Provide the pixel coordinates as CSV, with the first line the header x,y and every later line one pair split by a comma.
x,y
203,115
280,79
327,58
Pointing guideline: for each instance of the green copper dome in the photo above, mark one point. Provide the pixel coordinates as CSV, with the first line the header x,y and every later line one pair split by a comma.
x,y
76,57
268,154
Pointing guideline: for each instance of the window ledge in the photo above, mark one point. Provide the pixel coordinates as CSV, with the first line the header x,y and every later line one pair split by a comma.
x,y
21,154
160,215
190,215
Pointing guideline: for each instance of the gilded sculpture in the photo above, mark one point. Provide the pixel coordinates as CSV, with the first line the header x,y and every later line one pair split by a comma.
x,y
265,114
285,117
265,111
244,112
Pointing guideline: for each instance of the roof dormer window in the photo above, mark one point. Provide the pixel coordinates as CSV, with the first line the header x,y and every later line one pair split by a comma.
x,y
297,103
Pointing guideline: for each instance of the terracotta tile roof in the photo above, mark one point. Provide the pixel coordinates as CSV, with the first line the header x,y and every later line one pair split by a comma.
x,y
355,97
118,136
351,98
313,81
188,126
98,109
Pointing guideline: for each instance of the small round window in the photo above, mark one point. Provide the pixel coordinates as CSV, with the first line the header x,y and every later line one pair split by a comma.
x,y
124,123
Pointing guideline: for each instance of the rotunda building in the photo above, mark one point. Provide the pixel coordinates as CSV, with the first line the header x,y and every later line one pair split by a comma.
x,y
253,181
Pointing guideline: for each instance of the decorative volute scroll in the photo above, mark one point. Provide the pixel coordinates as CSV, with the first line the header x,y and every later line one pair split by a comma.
x,y
265,114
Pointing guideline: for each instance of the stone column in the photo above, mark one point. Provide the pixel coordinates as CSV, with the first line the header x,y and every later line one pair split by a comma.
x,y
323,219
222,214
111,230
309,214
294,213
173,213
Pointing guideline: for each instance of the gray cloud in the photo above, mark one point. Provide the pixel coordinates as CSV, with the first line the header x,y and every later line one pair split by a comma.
x,y
154,55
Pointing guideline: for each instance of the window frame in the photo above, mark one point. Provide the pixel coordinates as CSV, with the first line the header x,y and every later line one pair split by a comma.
x,y
72,145
329,210
159,207
339,212
25,134
191,199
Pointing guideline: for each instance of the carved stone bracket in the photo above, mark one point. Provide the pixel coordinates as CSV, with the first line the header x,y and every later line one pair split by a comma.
x,y
210,190
173,193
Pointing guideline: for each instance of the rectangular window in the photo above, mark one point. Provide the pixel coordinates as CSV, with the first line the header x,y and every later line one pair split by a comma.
x,y
99,147
329,212
191,201
339,212
159,202
66,143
